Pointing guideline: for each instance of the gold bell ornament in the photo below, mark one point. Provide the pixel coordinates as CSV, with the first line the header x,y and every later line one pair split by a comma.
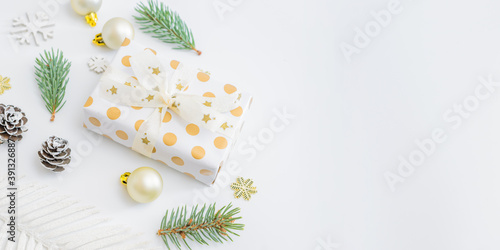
x,y
143,184
115,33
87,8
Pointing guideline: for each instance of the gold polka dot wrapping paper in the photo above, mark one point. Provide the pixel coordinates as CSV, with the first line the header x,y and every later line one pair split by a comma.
x,y
167,111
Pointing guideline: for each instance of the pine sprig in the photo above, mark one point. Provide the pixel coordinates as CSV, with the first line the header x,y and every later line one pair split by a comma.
x,y
164,24
51,71
202,225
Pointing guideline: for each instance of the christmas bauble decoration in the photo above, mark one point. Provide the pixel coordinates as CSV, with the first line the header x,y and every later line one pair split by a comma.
x,y
87,8
115,32
143,184
55,154
12,123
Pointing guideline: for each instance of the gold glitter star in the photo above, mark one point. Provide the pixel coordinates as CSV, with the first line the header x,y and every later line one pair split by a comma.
x,y
156,70
224,126
243,188
145,140
206,118
208,104
179,86
113,90
128,84
150,97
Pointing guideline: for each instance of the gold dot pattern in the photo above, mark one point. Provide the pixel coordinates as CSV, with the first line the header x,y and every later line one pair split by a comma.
x,y
136,108
107,136
152,50
220,142
154,150
113,113
89,102
190,175
138,124
208,94
178,161
203,77
126,61
206,172
237,111
192,129
167,117
228,88
85,126
198,152
122,135
126,42
169,139
95,121
174,64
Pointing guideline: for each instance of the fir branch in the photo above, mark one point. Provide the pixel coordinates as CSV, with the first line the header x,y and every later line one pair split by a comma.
x,y
164,24
51,71
201,226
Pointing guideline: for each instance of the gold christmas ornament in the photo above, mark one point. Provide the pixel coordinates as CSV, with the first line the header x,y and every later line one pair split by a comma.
x,y
143,184
115,32
87,8
243,188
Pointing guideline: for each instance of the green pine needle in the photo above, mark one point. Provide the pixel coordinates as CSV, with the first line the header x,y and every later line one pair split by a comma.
x,y
165,24
202,225
51,71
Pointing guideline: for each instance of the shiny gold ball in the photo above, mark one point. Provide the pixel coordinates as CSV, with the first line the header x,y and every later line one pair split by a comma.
x,y
144,184
84,7
115,31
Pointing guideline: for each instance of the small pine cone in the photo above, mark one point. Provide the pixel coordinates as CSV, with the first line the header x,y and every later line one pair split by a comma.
x,y
55,154
12,123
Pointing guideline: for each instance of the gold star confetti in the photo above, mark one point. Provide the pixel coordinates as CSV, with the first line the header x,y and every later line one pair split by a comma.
x,y
113,90
156,70
179,86
206,118
239,96
145,140
208,104
243,188
128,84
4,84
150,97
224,126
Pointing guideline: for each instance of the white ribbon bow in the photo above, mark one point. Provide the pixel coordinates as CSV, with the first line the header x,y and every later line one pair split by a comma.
x,y
154,87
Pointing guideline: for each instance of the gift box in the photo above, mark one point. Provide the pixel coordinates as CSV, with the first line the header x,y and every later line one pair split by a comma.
x,y
167,111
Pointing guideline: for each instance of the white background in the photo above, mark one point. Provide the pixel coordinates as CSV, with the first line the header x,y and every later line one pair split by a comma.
x,y
321,179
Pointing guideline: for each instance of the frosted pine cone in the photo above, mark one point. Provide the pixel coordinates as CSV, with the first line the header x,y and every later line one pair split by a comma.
x,y
55,154
12,123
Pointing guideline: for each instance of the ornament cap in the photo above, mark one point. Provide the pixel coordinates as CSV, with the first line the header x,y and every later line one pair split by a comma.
x,y
124,178
98,40
91,19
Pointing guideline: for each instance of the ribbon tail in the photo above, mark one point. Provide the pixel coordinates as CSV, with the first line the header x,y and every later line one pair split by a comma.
x,y
148,133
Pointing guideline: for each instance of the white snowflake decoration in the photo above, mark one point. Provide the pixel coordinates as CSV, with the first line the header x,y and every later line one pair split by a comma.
x,y
98,64
29,27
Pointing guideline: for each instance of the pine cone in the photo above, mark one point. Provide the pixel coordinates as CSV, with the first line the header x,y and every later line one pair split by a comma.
x,y
55,154
12,123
